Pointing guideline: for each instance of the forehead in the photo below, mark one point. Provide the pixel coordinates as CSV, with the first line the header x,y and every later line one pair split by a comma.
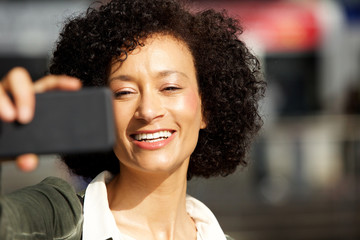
x,y
158,52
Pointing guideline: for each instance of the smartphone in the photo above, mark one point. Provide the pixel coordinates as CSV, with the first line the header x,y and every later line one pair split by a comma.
x,y
65,122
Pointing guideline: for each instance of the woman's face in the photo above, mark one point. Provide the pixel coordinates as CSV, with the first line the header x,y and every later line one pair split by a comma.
x,y
157,106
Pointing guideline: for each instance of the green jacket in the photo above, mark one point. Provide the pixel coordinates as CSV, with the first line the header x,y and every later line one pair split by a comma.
x,y
48,210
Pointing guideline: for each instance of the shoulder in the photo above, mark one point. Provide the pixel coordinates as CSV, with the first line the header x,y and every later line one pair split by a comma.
x,y
55,188
50,187
57,183
58,191
51,192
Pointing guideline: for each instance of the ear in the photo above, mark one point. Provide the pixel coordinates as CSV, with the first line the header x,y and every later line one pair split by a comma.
x,y
203,123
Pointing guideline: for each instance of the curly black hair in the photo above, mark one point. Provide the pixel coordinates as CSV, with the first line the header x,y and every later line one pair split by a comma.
x,y
228,74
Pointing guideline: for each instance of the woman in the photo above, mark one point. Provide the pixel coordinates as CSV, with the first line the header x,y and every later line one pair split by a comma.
x,y
186,91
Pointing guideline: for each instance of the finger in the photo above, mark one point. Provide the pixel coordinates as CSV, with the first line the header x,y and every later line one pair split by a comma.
x,y
7,109
27,162
55,82
19,84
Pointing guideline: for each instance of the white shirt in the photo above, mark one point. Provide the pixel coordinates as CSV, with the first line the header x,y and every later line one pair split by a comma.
x,y
99,223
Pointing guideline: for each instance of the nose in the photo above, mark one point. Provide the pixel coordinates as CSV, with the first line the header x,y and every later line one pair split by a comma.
x,y
150,107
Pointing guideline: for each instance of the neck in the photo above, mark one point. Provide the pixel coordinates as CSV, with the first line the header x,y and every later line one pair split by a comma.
x,y
154,202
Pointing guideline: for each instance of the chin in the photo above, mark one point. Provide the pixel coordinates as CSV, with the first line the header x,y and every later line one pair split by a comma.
x,y
159,166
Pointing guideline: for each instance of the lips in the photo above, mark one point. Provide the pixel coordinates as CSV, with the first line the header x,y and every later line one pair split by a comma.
x,y
152,140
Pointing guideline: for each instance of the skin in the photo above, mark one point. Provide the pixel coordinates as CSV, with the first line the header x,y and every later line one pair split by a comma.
x,y
19,84
155,88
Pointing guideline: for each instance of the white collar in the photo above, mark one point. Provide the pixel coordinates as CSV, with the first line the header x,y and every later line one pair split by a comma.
x,y
99,223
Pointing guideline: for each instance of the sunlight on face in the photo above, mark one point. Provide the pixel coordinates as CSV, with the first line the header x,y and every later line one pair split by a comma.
x,y
157,106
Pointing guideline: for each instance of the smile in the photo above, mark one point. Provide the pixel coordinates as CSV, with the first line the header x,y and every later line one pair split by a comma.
x,y
152,137
153,140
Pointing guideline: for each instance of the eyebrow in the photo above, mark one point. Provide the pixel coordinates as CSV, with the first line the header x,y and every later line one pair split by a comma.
x,y
170,72
121,77
159,75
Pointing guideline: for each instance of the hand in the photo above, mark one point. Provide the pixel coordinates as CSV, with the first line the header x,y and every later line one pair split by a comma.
x,y
20,85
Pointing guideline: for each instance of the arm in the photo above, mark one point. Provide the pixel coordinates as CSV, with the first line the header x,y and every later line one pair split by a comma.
x,y
48,210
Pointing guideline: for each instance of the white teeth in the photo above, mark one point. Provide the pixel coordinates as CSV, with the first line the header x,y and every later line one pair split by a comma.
x,y
152,137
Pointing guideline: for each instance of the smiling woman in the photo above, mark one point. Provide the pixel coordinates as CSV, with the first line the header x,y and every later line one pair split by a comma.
x,y
186,93
161,96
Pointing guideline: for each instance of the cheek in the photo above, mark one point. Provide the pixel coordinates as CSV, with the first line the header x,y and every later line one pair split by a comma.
x,y
122,115
193,101
189,106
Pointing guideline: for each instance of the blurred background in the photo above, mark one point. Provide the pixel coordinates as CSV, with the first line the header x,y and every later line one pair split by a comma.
x,y
303,180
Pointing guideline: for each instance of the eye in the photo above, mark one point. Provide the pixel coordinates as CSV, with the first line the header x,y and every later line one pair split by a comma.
x,y
171,88
121,94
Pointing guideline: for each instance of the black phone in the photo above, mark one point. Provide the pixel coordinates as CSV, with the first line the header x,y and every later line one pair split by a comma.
x,y
65,122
